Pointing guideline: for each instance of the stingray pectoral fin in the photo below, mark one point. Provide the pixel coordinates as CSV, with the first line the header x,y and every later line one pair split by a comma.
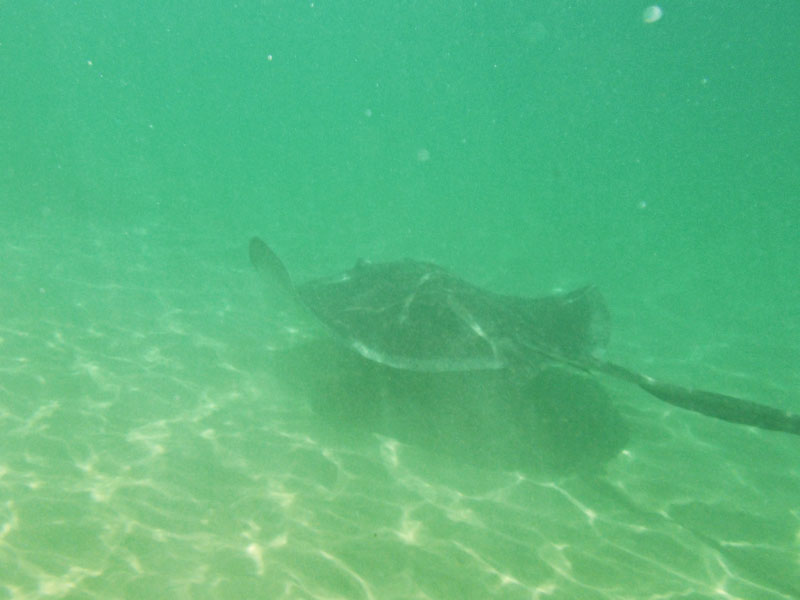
x,y
269,266
711,404
283,300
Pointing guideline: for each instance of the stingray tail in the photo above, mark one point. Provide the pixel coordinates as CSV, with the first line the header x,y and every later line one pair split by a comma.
x,y
711,404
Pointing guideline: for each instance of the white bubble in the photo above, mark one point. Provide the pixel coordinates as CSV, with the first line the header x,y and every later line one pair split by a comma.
x,y
652,14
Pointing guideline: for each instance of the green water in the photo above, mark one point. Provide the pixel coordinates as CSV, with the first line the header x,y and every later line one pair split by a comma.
x,y
147,448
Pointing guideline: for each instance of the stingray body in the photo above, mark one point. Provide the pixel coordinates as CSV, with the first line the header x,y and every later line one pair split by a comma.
x,y
414,316
418,316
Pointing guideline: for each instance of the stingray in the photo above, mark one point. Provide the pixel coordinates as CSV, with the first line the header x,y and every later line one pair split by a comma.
x,y
418,316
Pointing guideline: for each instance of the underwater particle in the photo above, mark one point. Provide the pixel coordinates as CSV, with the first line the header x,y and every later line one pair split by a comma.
x,y
651,14
423,155
534,32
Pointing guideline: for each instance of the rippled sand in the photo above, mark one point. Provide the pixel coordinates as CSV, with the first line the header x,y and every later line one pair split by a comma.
x,y
149,451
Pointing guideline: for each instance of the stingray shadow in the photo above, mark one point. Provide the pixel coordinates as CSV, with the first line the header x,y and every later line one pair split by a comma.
x,y
555,422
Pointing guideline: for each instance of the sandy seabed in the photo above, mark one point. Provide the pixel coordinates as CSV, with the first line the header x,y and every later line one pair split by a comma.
x,y
149,452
